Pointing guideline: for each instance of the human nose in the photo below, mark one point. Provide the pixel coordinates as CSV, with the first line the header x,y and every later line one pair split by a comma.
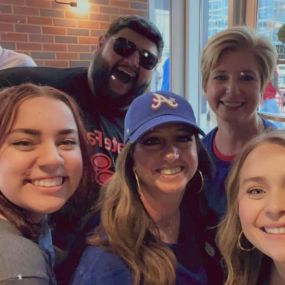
x,y
50,157
133,59
171,153
276,205
233,86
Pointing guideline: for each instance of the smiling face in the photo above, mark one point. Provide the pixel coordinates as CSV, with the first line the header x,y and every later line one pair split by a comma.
x,y
261,199
121,75
40,160
233,90
165,160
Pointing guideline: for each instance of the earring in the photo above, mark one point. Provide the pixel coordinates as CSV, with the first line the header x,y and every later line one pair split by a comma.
x,y
240,246
202,181
138,182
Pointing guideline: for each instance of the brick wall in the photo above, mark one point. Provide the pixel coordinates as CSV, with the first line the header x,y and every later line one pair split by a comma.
x,y
54,34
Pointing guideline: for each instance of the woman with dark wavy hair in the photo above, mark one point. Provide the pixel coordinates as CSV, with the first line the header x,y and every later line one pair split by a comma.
x,y
152,224
43,161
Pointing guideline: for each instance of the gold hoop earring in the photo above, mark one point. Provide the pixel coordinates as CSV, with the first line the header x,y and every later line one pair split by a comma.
x,y
202,181
138,182
240,246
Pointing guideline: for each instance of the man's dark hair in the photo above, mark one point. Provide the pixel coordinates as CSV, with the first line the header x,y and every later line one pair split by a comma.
x,y
141,26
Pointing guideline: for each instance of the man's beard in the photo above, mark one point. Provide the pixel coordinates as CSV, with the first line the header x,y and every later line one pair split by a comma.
x,y
101,73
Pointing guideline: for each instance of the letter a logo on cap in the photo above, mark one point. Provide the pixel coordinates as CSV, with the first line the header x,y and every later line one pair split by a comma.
x,y
158,99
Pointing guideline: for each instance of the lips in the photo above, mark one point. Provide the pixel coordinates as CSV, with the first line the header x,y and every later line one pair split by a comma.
x,y
48,182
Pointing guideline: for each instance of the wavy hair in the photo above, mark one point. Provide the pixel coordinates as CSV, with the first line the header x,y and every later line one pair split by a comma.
x,y
235,39
11,99
126,228
243,267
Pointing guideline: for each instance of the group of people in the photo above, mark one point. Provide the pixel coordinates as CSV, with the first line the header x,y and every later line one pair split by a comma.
x,y
108,183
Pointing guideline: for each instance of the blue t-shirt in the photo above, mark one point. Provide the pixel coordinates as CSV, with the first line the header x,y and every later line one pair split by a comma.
x,y
214,188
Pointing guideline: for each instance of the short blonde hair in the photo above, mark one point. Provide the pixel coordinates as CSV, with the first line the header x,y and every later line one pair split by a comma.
x,y
236,39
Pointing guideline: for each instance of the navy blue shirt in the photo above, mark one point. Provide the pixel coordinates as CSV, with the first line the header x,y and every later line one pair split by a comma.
x,y
214,188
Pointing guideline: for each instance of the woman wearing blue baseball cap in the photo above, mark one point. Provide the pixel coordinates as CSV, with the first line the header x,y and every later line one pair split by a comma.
x,y
152,228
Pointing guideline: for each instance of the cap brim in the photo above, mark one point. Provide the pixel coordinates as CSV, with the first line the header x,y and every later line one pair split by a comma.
x,y
165,119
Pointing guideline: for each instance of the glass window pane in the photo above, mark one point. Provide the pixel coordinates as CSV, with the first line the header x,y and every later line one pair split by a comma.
x,y
159,14
216,20
270,17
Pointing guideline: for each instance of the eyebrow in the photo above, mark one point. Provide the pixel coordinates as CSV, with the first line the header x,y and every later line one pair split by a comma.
x,y
35,132
255,179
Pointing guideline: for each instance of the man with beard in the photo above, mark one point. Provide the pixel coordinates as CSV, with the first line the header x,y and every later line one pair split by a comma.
x,y
120,71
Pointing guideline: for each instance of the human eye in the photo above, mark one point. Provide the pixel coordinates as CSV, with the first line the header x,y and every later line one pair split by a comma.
x,y
23,144
246,77
150,141
69,143
255,192
184,138
220,77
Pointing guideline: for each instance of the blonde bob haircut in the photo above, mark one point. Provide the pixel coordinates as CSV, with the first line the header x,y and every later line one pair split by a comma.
x,y
236,39
243,267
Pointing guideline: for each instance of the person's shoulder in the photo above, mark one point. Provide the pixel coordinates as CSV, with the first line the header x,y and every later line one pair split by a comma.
x,y
20,256
102,258
101,267
268,125
208,139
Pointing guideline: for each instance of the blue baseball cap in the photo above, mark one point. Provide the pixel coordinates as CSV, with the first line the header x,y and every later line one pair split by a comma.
x,y
156,108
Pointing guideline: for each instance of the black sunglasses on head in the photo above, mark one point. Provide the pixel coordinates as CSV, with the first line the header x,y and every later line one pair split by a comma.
x,y
125,48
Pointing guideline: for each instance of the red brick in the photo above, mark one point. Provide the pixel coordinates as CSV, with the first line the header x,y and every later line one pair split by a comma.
x,y
69,55
21,10
40,21
6,27
41,38
142,13
11,2
104,26
100,17
56,63
39,3
52,13
66,39
14,37
120,3
13,19
78,32
87,40
73,15
54,30
55,47
109,10
137,5
28,29
79,48
88,24
29,46
64,23
5,9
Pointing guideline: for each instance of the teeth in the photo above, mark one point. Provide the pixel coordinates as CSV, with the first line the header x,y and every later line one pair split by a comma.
x,y
280,230
170,171
49,182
